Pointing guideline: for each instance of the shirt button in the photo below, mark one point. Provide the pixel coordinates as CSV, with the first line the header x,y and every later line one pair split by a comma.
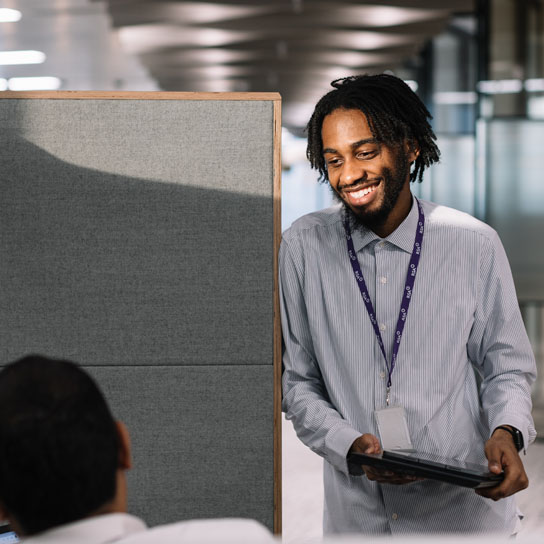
x,y
382,375
382,327
395,516
381,244
383,279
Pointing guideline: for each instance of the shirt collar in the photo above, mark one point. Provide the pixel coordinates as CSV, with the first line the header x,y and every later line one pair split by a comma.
x,y
103,529
402,236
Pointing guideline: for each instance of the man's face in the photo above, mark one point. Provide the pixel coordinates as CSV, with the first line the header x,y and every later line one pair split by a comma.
x,y
371,178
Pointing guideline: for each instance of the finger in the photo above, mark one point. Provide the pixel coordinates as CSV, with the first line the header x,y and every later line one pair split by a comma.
x,y
378,475
389,477
494,458
511,484
401,479
370,474
366,443
494,493
373,473
373,444
397,481
515,479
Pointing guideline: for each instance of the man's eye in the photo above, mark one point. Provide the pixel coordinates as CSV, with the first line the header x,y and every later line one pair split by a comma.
x,y
333,162
365,154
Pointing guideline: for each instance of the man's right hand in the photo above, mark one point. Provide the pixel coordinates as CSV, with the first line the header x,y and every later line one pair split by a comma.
x,y
368,443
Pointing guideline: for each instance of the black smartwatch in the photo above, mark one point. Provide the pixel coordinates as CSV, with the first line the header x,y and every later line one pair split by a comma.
x,y
517,437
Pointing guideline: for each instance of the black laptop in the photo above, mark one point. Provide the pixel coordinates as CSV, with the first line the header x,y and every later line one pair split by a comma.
x,y
427,466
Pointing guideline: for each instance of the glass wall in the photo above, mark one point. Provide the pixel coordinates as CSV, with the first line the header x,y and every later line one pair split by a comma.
x,y
510,157
515,198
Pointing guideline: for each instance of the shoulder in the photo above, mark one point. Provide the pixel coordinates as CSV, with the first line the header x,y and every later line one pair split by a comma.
x,y
203,531
446,221
314,223
311,238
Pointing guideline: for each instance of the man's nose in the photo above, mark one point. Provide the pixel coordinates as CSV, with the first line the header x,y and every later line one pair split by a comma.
x,y
353,171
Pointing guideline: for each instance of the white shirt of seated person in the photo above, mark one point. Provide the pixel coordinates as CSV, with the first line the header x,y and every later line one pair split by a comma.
x,y
220,531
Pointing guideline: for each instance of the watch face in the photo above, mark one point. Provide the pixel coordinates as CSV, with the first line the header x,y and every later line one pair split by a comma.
x,y
517,437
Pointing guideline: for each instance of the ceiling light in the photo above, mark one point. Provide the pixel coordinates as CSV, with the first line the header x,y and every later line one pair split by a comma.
x,y
146,38
216,71
354,59
534,85
34,83
21,57
210,55
206,13
500,86
9,15
367,40
455,97
385,16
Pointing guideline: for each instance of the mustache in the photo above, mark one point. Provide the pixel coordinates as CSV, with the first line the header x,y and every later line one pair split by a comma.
x,y
363,182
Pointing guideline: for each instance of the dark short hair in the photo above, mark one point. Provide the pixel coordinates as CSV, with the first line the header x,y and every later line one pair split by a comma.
x,y
59,447
393,111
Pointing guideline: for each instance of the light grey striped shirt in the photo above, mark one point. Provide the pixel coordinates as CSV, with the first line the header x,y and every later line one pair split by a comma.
x,y
463,315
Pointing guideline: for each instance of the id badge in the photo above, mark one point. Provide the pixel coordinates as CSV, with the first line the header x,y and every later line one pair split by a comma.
x,y
393,429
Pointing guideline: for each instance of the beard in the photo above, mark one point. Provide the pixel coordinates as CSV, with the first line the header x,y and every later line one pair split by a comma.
x,y
393,180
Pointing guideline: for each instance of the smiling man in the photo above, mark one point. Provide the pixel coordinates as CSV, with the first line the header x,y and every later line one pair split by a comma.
x,y
399,314
379,196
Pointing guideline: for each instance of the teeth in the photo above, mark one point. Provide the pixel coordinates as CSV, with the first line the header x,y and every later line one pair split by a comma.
x,y
363,192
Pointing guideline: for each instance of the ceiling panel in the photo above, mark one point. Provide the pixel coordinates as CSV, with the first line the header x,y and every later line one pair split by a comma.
x,y
295,47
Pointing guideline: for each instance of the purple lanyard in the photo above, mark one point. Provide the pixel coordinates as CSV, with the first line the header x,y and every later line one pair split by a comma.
x,y
407,293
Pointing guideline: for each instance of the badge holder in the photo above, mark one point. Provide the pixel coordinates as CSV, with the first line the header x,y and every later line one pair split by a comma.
x,y
393,428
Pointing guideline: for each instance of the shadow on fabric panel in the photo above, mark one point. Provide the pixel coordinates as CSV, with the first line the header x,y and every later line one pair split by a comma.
x,y
104,267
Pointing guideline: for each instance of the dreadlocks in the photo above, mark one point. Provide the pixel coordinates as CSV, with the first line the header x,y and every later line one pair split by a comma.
x,y
394,113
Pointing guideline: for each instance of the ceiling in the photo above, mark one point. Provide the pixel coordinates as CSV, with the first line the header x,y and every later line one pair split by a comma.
x,y
80,46
295,47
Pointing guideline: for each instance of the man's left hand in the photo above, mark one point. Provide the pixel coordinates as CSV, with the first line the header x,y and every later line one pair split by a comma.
x,y
502,455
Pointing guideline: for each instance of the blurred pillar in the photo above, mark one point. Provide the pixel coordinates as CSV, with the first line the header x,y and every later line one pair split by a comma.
x,y
510,56
510,162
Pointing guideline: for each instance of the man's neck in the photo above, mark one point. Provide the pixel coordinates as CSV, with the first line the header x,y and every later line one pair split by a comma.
x,y
398,214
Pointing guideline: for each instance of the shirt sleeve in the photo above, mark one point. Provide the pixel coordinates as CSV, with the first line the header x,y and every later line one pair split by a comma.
x,y
305,400
499,346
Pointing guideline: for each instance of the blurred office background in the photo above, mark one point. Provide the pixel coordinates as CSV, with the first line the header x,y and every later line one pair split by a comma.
x,y
477,64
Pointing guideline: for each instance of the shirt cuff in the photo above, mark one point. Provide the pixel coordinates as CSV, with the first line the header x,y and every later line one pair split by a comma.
x,y
338,443
527,431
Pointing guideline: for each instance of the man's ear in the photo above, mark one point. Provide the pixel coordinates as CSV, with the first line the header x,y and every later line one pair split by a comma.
x,y
412,150
125,460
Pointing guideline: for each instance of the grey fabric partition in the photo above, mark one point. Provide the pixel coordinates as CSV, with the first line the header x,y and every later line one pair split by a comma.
x,y
138,237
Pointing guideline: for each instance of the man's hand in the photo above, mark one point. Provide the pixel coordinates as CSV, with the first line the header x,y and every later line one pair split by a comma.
x,y
502,455
368,443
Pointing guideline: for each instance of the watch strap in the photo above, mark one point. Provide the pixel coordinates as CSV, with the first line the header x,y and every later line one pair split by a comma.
x,y
516,435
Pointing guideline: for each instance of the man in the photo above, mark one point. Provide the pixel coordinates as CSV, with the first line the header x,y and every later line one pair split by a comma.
x,y
63,460
353,360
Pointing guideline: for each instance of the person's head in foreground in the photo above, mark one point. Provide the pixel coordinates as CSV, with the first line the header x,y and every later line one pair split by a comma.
x,y
63,460
369,137
62,455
